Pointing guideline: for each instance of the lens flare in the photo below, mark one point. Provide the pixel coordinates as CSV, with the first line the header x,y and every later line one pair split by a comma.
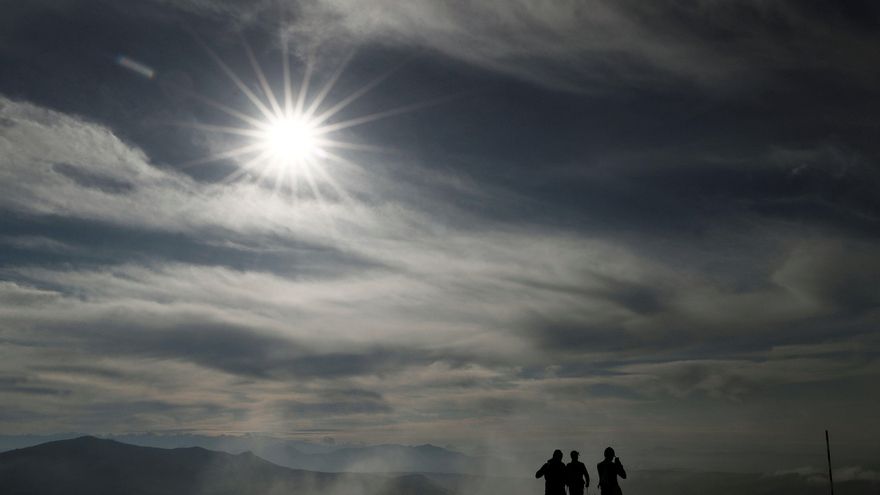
x,y
289,141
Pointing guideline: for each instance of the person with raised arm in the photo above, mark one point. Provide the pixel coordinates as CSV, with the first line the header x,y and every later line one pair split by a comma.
x,y
609,470
553,472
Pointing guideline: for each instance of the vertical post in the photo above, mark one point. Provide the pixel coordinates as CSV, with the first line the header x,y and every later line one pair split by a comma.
x,y
828,451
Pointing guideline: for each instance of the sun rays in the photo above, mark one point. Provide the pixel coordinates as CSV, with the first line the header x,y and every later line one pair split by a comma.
x,y
289,142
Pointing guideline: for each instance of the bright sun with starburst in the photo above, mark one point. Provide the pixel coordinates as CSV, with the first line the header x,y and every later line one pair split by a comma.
x,y
289,140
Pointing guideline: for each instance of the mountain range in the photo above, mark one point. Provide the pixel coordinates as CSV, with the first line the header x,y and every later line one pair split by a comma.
x,y
93,466
386,458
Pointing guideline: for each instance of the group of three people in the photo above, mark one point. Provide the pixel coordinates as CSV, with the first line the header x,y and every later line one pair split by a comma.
x,y
558,475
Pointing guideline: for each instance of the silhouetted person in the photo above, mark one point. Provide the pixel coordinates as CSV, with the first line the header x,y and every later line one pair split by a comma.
x,y
609,470
553,472
576,475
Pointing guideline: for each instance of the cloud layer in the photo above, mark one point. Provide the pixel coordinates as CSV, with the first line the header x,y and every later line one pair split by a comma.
x,y
578,44
532,265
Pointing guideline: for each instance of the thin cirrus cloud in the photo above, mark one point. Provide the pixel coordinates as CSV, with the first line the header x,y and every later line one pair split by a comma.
x,y
595,45
583,45
474,301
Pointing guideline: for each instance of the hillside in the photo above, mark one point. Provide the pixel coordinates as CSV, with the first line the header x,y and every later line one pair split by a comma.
x,y
386,458
89,465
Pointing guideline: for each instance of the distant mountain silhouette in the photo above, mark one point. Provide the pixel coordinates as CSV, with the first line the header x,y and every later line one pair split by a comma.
x,y
387,458
89,465
93,466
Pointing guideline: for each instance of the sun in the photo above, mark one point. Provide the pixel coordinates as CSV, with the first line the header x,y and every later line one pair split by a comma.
x,y
291,140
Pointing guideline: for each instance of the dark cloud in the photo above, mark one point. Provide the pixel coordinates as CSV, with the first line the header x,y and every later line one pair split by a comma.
x,y
576,336
503,406
26,385
86,179
322,409
45,240
613,391
578,44
234,349
338,403
636,297
95,371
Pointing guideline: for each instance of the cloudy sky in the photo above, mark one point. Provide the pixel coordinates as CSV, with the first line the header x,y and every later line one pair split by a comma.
x,y
542,224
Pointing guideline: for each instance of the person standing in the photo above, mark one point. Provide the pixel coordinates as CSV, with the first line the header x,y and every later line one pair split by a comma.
x,y
576,475
609,470
553,472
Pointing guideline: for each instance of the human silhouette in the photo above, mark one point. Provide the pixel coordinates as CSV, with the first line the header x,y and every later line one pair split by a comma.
x,y
576,475
553,472
609,470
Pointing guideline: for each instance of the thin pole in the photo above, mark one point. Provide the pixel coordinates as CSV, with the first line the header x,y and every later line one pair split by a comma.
x,y
828,450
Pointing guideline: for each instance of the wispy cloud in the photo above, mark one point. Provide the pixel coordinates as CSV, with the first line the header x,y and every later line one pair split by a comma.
x,y
597,44
431,326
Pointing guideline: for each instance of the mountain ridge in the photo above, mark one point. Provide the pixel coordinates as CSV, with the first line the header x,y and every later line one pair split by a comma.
x,y
296,454
98,466
91,465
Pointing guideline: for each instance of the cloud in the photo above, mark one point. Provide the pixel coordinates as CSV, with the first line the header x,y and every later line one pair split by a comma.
x,y
25,385
59,165
343,402
368,318
676,255
479,271
843,274
578,45
589,44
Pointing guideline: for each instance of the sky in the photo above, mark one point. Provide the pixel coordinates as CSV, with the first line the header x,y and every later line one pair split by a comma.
x,y
536,225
